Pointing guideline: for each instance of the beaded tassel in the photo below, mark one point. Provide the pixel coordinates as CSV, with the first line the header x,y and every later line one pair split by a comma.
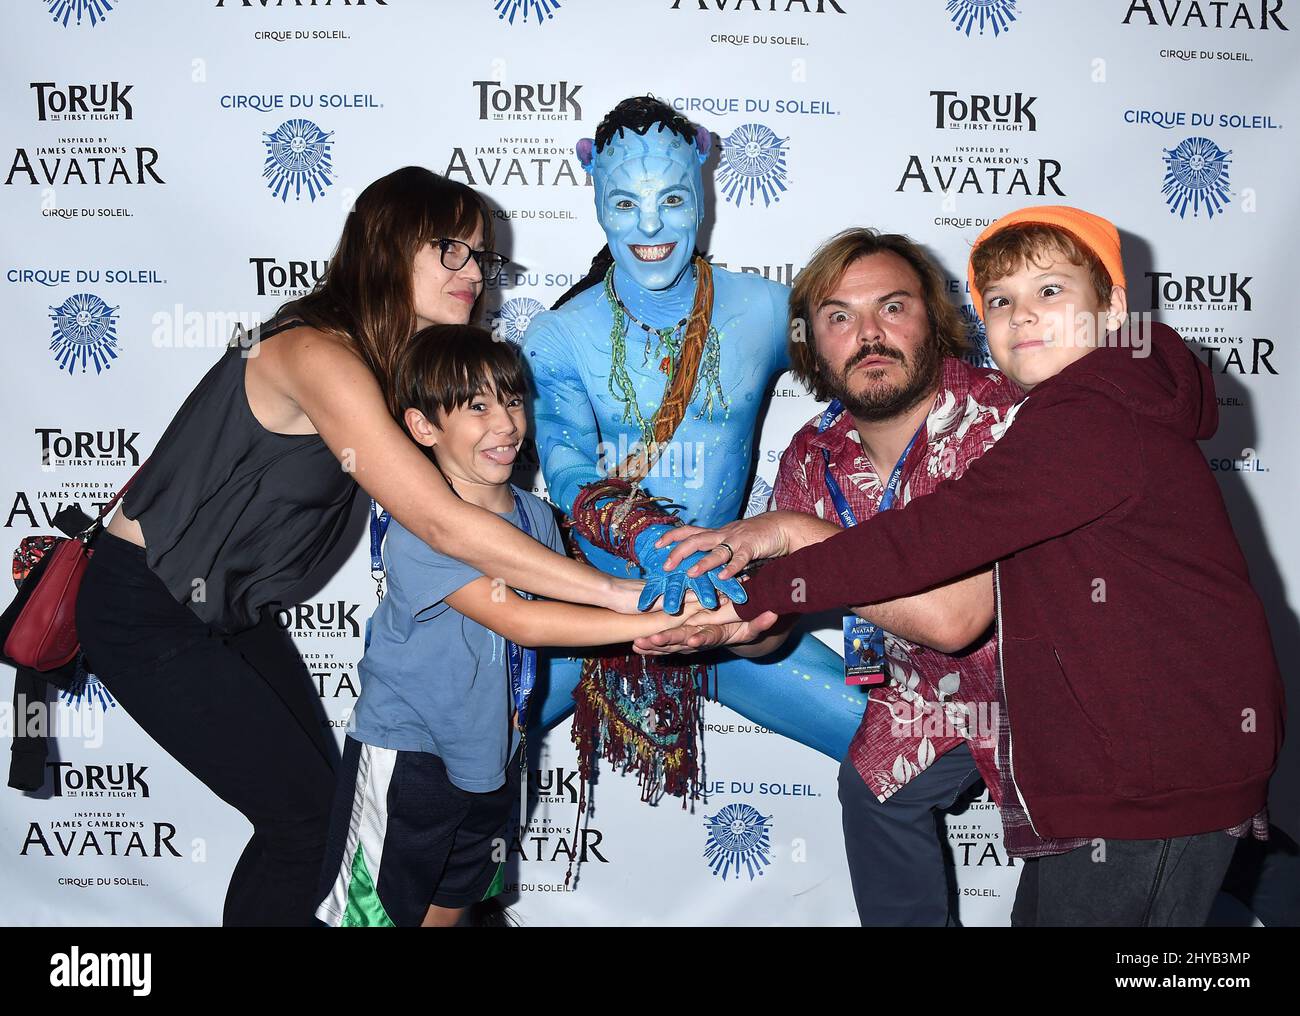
x,y
710,371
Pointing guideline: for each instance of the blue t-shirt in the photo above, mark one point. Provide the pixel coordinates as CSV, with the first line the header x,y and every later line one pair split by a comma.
x,y
433,680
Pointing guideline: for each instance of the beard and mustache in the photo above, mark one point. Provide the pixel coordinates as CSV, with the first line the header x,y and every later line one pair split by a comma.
x,y
882,401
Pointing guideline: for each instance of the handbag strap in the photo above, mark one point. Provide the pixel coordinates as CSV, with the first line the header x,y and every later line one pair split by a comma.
x,y
75,524
109,507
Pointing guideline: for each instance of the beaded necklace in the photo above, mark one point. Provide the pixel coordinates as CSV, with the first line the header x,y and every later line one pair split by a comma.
x,y
668,337
668,345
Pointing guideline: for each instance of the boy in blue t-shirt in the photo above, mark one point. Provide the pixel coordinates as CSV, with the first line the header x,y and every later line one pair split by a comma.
x,y
430,786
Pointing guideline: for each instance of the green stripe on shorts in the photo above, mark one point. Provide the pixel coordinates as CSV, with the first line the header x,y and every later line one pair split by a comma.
x,y
364,908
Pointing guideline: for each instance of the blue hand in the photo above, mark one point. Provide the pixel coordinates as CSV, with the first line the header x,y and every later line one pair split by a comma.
x,y
673,585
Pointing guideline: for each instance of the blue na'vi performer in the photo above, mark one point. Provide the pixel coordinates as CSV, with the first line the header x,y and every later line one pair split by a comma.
x,y
649,378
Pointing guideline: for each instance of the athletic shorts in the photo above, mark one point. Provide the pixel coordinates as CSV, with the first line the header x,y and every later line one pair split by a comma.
x,y
403,836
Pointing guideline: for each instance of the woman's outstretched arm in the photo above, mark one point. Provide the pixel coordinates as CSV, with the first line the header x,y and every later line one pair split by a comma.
x,y
343,400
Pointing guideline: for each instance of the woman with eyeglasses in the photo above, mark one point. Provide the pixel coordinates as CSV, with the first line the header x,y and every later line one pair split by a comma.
x,y
245,499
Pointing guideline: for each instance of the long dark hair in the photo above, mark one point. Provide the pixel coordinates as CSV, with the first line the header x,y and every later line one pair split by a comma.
x,y
366,296
637,114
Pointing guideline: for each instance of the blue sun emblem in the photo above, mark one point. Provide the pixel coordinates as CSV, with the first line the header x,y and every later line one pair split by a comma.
x,y
995,14
977,339
1196,174
514,317
753,164
298,155
508,10
738,836
94,10
85,332
93,691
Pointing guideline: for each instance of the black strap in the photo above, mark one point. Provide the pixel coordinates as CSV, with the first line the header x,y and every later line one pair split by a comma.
x,y
279,326
244,339
31,745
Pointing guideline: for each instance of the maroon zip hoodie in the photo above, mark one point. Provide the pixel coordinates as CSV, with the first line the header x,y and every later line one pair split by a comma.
x,y
1142,691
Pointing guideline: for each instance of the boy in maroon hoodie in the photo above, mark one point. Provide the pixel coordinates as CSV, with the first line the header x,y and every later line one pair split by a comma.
x,y
1133,722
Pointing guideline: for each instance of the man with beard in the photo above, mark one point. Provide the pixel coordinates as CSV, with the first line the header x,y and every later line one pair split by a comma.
x,y
906,412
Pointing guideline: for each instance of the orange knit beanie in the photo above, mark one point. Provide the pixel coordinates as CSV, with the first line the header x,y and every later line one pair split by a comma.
x,y
1097,234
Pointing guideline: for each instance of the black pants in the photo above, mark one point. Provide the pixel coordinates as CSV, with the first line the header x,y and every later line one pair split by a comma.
x,y
1125,883
239,712
898,857
1265,877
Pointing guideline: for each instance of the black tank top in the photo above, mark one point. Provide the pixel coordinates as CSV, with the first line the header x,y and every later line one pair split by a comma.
x,y
248,511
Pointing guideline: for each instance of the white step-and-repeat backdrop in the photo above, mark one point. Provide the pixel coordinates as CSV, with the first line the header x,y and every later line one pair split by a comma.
x,y
145,214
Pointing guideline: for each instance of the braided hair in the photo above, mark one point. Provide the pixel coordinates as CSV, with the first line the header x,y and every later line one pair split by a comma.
x,y
637,114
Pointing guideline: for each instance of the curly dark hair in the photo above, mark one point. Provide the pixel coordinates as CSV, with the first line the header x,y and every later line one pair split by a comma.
x,y
639,114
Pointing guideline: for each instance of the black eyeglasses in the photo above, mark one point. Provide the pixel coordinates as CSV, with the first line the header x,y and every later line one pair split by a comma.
x,y
456,254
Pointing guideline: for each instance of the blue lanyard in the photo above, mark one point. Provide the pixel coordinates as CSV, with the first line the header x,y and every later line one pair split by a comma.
x,y
378,527
523,662
842,508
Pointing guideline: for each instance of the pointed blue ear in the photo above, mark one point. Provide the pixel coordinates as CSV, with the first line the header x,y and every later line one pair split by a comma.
x,y
586,149
703,143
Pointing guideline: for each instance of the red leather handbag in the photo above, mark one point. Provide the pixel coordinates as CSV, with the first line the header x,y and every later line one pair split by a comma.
x,y
39,627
